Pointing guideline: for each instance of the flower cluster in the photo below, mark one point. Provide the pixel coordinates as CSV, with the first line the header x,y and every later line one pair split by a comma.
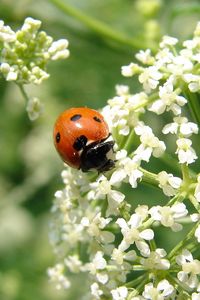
x,y
24,56
123,254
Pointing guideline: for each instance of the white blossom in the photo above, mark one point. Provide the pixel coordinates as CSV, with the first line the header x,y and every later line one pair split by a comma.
x,y
132,234
98,213
119,256
169,99
181,126
127,169
195,296
34,108
190,269
103,188
168,216
25,59
162,291
156,260
169,183
96,291
168,41
145,57
73,263
58,49
130,70
95,228
56,275
186,154
6,33
150,78
150,144
120,293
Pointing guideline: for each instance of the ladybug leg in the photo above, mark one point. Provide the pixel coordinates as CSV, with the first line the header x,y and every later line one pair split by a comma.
x,y
98,156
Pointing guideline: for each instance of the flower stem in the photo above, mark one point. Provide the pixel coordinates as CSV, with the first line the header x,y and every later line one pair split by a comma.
x,y
194,202
193,103
25,95
149,177
129,141
182,243
136,281
100,28
185,174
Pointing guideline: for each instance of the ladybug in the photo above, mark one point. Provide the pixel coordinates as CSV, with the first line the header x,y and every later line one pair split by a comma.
x,y
80,137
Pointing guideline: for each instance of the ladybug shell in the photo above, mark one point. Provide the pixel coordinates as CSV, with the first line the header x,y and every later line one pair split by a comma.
x,y
74,123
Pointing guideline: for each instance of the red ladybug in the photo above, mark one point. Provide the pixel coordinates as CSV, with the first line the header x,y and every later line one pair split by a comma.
x,y
80,136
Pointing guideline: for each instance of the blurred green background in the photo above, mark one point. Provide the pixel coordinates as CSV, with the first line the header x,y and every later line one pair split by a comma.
x,y
29,167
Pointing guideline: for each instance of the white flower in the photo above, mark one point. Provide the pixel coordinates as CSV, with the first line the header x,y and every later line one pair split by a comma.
x,y
162,291
73,263
103,188
168,183
182,126
186,154
38,75
197,234
168,41
120,293
95,226
96,291
119,256
195,296
168,216
126,167
6,33
145,57
98,263
56,275
10,72
190,269
150,144
58,49
34,108
130,70
31,25
122,90
169,99
25,59
155,260
180,65
150,78
133,234
193,81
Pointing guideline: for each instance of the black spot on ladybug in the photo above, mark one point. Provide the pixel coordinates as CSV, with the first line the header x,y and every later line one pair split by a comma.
x,y
75,117
80,143
58,137
97,119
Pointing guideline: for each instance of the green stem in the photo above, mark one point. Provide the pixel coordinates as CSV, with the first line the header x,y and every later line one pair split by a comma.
x,y
99,27
152,245
136,281
195,203
185,174
25,95
182,243
129,141
149,177
181,287
177,198
193,103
